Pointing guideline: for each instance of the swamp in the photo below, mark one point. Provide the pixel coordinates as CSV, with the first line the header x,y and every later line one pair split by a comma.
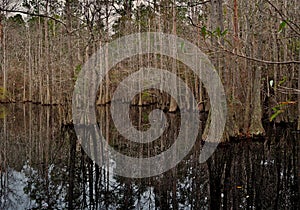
x,y
149,104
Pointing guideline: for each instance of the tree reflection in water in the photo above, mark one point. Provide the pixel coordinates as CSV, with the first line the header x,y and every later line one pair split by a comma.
x,y
43,167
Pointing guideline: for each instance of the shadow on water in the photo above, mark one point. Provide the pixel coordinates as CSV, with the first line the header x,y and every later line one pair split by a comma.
x,y
42,166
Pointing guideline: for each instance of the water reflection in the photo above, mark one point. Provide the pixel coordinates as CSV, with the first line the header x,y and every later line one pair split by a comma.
x,y
43,167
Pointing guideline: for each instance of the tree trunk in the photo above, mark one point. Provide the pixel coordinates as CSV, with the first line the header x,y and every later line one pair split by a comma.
x,y
256,127
69,45
39,65
248,74
107,80
3,55
29,66
173,104
47,57
298,99
4,61
216,21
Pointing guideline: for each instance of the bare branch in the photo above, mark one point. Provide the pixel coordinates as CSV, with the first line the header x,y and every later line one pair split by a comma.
x,y
261,61
250,58
197,3
288,90
192,22
285,19
180,6
42,16
33,14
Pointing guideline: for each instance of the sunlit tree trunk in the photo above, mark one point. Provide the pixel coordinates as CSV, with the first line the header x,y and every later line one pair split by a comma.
x,y
216,21
53,83
3,52
29,66
60,86
256,126
173,104
107,80
140,62
69,46
163,96
249,71
199,96
39,63
47,57
100,100
235,68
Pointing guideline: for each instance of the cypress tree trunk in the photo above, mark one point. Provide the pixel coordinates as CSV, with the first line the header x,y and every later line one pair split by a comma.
x,y
173,104
47,57
3,55
256,127
298,99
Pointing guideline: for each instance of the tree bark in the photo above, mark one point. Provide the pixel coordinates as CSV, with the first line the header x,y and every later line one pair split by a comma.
x,y
298,99
216,21
47,57
69,45
173,104
256,127
3,54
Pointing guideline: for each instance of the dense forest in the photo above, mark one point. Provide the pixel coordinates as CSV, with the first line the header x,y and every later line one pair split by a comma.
x,y
254,45
46,46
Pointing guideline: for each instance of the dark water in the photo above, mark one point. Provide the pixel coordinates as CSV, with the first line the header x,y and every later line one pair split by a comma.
x,y
43,167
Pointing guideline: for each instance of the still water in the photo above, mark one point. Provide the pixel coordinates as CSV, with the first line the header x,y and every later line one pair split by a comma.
x,y
42,166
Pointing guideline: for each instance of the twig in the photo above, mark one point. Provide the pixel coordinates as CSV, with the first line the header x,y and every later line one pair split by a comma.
x,y
289,89
180,6
34,14
262,61
285,19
